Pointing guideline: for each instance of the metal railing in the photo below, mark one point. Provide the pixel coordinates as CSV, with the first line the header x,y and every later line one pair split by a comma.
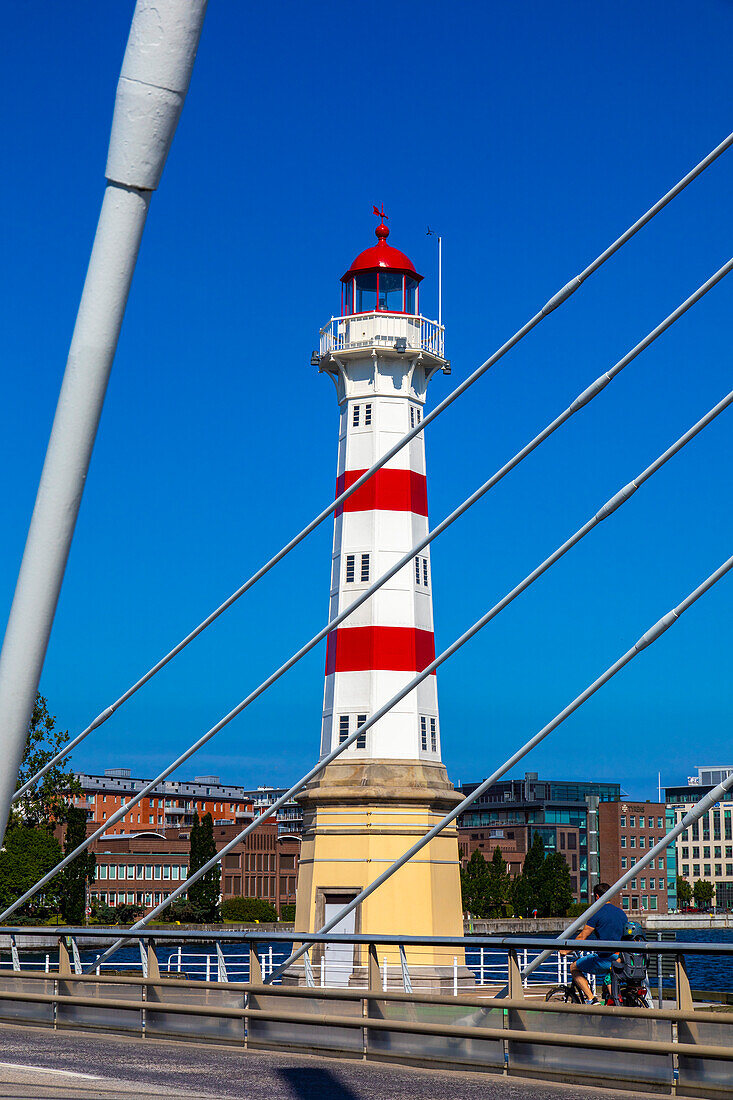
x,y
672,1050
363,330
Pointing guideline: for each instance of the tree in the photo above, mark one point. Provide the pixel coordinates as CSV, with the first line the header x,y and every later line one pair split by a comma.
x,y
684,892
703,893
525,891
499,884
204,894
28,854
46,803
554,892
475,886
80,872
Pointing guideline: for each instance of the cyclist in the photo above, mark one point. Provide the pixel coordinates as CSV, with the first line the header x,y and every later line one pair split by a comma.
x,y
609,923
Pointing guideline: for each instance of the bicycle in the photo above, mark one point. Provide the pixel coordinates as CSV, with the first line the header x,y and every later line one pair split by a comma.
x,y
621,985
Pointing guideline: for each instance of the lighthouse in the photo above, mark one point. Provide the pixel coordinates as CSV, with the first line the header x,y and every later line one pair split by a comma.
x,y
390,786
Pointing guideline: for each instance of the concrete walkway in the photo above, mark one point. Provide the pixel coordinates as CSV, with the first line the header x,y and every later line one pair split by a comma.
x,y
62,1065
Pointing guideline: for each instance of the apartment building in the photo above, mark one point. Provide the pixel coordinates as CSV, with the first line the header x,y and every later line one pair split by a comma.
x,y
705,849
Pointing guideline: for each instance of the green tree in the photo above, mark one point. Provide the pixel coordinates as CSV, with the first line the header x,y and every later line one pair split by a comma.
x,y
525,891
46,803
499,884
554,892
204,894
81,871
475,886
684,892
28,853
703,893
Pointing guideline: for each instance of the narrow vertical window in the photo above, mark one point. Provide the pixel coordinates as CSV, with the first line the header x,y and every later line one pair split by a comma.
x,y
423,733
364,568
343,728
361,739
412,416
367,415
355,416
350,565
418,415
425,572
433,736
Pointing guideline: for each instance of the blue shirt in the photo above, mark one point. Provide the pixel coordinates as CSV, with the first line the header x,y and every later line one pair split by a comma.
x,y
609,923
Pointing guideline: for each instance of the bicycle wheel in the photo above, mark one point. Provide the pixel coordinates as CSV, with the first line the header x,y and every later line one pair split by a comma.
x,y
635,999
558,993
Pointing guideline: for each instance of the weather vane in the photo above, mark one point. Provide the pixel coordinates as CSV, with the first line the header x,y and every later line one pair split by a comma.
x,y
380,213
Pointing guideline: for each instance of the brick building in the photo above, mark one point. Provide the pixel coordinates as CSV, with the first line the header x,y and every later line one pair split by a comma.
x,y
626,831
173,803
144,868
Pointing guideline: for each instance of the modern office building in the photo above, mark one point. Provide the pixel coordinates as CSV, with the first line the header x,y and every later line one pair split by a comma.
x,y
626,832
705,849
564,813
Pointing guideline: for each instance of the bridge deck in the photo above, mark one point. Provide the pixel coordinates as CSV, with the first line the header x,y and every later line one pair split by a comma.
x,y
35,1062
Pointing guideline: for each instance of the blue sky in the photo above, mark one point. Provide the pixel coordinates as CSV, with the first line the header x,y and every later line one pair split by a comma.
x,y
530,135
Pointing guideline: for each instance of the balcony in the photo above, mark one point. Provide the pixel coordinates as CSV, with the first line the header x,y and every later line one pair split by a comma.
x,y
366,330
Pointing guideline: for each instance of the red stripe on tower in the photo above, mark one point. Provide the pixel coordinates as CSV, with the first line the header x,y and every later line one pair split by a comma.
x,y
386,490
379,648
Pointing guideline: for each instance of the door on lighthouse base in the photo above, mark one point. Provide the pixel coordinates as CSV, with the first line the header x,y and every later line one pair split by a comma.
x,y
339,957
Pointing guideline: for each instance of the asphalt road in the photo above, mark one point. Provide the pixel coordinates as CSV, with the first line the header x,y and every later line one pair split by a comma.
x,y
74,1066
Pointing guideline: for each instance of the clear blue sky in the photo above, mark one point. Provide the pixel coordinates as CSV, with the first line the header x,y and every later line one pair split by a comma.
x,y
530,135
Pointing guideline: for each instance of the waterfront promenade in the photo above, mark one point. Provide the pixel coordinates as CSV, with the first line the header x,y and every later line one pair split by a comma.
x,y
62,1066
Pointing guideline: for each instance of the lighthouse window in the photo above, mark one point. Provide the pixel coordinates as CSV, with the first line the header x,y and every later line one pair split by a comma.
x,y
421,571
425,572
350,566
367,415
348,296
355,416
433,736
390,292
423,733
415,415
343,728
364,568
417,570
361,739
410,295
366,293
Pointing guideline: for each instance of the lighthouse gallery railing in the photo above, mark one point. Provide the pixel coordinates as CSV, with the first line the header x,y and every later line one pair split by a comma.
x,y
362,330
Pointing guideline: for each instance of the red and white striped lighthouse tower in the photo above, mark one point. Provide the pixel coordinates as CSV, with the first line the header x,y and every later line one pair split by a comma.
x,y
389,786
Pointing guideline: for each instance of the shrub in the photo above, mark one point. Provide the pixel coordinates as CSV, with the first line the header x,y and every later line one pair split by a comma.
x,y
576,909
247,909
287,912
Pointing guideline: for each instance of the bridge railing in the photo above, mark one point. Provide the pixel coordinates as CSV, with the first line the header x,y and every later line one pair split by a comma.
x,y
509,1030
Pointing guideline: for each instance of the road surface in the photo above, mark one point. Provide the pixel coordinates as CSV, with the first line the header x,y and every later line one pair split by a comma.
x,y
60,1065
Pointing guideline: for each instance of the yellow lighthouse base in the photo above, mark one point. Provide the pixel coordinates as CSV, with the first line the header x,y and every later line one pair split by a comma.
x,y
359,817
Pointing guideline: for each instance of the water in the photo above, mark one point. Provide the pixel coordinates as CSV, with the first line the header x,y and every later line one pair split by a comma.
x,y
714,972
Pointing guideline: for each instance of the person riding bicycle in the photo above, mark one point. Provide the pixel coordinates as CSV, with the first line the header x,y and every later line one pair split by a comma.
x,y
609,923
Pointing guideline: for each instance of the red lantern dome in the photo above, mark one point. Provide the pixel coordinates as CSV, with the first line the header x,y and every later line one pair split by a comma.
x,y
381,279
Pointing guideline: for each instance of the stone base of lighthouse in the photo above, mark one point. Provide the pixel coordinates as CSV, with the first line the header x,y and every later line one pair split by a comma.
x,y
360,816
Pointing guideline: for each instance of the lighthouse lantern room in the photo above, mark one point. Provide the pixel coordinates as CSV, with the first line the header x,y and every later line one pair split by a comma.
x,y
390,786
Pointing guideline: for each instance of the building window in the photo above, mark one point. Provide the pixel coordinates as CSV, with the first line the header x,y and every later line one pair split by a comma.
x,y
623,821
367,415
102,871
632,822
364,568
361,739
350,568
355,416
653,901
623,841
417,570
343,728
624,863
433,736
421,571
624,902
423,733
157,871
641,822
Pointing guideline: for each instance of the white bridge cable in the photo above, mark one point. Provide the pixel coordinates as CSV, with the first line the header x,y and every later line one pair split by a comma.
x,y
646,640
587,395
693,815
608,508
557,299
